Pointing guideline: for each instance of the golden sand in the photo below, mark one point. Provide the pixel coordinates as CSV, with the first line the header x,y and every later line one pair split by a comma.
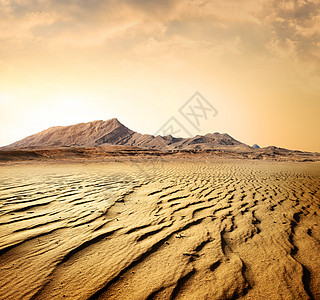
x,y
210,229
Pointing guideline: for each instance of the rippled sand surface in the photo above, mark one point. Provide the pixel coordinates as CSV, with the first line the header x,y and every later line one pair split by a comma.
x,y
161,230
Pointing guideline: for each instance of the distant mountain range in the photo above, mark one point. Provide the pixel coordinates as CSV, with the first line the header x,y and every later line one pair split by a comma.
x,y
112,132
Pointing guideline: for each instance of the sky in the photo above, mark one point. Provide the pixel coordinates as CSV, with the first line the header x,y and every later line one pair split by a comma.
x,y
257,62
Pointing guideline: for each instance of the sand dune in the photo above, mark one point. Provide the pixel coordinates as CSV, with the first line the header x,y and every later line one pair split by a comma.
x,y
160,230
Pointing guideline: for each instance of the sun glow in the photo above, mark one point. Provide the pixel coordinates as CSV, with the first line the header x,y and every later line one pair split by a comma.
x,y
256,62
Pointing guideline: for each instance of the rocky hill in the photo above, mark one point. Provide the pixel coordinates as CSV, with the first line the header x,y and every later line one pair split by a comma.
x,y
112,132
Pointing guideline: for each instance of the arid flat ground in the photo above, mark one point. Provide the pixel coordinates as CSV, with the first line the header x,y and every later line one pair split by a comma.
x,y
207,229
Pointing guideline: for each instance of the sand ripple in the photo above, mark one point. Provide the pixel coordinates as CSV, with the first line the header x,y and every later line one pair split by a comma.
x,y
163,230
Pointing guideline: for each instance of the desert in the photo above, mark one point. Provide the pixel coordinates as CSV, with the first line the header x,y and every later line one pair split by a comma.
x,y
159,150
160,229
110,140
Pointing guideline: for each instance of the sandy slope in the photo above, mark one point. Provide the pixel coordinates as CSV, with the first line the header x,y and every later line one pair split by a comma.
x,y
162,230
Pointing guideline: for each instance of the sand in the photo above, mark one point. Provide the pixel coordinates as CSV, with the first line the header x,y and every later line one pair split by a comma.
x,y
211,229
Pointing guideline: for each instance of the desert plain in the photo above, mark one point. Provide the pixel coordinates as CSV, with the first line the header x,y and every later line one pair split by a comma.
x,y
160,229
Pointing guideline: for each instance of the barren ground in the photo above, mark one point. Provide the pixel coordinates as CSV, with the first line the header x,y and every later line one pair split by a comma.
x,y
211,229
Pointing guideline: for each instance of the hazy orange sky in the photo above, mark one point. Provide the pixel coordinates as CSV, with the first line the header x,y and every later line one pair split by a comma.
x,y
69,61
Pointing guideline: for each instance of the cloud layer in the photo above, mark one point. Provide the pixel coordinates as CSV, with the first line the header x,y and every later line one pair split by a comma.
x,y
150,45
280,28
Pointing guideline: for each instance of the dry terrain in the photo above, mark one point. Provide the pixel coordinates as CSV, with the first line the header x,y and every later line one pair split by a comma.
x,y
116,153
166,229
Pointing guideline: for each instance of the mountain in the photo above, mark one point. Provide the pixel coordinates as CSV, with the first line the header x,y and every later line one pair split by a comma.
x,y
112,132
